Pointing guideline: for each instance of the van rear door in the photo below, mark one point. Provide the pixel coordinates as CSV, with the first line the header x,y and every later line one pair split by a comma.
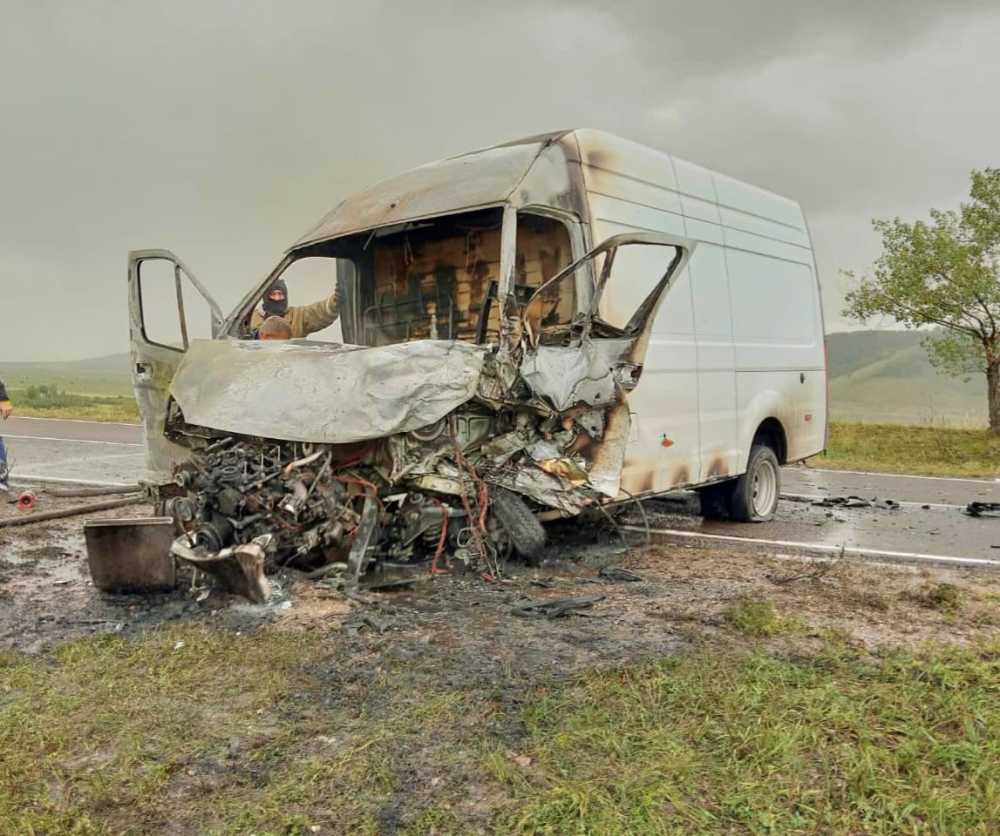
x,y
168,308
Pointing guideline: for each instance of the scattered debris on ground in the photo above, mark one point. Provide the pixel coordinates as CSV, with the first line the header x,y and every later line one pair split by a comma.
x,y
983,509
556,608
45,580
844,502
618,573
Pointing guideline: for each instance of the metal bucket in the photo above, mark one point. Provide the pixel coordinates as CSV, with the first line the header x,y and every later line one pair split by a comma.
x,y
131,555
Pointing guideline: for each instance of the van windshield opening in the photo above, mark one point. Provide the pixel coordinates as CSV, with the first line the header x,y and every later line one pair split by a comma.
x,y
439,278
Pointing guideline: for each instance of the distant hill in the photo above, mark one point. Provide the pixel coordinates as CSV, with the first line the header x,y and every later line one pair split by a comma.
x,y
108,375
886,376
107,363
849,351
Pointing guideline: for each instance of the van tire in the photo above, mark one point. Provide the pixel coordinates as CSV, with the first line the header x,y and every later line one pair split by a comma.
x,y
754,497
715,501
527,534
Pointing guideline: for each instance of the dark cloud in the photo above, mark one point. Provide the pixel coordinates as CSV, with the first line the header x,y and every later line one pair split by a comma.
x,y
224,130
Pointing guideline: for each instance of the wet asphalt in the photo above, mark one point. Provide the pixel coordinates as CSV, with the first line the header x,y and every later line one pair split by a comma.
x,y
90,451
930,518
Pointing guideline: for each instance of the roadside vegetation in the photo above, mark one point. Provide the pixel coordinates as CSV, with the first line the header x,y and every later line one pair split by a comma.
x,y
943,275
718,741
51,401
932,451
197,729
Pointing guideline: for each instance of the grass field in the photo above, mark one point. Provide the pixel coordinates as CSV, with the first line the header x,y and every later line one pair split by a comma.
x,y
47,401
199,730
95,390
892,448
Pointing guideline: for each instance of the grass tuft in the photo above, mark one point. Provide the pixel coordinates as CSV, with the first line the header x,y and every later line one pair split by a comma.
x,y
944,597
758,618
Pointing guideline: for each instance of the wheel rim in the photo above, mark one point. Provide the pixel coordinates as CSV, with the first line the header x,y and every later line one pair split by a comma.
x,y
765,488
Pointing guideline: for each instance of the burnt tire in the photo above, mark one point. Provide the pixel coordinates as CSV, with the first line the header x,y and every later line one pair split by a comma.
x,y
715,501
754,496
527,535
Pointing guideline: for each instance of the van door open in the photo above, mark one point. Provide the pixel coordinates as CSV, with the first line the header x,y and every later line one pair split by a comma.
x,y
163,320
596,360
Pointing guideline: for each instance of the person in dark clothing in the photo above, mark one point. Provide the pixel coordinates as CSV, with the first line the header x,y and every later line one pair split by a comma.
x,y
5,410
302,319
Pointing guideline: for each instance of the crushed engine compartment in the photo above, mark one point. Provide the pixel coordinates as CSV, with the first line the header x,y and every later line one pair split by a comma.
x,y
465,489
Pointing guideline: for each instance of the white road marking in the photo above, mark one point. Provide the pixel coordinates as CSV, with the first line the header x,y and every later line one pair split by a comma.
x,y
32,479
72,440
901,475
824,548
85,459
75,421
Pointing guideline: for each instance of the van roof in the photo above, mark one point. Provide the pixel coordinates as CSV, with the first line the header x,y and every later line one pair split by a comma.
x,y
489,177
474,179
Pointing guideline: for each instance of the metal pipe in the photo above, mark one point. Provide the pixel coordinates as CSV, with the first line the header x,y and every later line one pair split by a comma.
x,y
72,512
68,492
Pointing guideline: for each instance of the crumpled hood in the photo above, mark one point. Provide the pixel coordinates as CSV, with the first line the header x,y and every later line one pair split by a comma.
x,y
322,392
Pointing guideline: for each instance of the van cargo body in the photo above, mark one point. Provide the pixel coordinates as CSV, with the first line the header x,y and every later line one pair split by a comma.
x,y
620,322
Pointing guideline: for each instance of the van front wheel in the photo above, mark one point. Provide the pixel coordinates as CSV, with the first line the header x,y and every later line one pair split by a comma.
x,y
755,494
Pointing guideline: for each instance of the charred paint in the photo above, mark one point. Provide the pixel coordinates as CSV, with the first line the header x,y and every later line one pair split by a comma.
x,y
638,482
681,476
717,468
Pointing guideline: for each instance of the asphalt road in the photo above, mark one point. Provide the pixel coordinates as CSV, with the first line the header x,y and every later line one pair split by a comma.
x,y
930,518
72,451
929,521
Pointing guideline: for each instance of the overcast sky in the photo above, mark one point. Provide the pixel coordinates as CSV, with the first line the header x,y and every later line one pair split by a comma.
x,y
223,130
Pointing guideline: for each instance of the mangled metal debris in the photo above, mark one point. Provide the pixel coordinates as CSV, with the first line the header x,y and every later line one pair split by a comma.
x,y
983,509
856,502
557,608
618,573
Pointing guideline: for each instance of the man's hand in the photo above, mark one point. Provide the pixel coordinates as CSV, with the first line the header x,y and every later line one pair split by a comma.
x,y
5,410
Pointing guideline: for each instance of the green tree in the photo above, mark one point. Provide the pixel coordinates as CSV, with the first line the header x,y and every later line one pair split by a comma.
x,y
944,274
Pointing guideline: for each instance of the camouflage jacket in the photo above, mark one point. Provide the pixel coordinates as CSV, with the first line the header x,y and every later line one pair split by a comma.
x,y
304,319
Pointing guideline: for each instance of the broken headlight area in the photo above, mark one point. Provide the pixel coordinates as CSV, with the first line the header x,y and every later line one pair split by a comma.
x,y
464,490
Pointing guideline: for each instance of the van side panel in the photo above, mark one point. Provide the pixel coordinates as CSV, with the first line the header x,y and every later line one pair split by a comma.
x,y
757,331
720,442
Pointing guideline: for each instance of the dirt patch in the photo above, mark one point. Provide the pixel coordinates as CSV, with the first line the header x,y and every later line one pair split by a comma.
x,y
313,609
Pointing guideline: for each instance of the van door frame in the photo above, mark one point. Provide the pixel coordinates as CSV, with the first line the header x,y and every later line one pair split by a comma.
x,y
153,364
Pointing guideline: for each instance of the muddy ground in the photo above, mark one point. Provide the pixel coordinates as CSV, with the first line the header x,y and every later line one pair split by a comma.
x,y
46,597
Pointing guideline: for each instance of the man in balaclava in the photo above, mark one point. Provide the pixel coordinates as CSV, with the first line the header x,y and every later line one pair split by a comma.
x,y
303,319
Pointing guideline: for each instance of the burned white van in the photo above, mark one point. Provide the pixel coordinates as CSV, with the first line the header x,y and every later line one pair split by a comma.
x,y
526,331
